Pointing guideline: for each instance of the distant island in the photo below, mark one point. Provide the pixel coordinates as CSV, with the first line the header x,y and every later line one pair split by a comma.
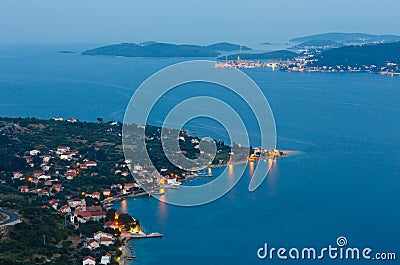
x,y
228,47
155,49
274,55
68,52
319,44
348,38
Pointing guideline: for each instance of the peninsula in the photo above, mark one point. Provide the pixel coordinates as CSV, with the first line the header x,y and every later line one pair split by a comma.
x,y
60,177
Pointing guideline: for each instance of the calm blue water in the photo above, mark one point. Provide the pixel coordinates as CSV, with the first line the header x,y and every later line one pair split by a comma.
x,y
344,183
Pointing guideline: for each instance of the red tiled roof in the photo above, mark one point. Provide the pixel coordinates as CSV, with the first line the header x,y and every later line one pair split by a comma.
x,y
89,257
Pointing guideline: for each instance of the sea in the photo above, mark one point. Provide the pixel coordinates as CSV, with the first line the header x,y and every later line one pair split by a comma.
x,y
343,181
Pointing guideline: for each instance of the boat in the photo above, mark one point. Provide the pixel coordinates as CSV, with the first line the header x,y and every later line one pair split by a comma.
x,y
155,234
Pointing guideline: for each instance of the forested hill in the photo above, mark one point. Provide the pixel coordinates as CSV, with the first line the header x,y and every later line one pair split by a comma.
x,y
377,54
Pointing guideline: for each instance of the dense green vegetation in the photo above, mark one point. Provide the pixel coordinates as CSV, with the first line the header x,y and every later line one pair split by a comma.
x,y
153,50
226,46
40,236
156,49
378,54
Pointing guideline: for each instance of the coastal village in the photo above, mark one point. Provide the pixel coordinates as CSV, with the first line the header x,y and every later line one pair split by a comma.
x,y
306,60
302,64
66,181
47,183
49,172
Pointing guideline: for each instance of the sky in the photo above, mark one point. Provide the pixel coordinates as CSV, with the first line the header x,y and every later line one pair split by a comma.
x,y
185,21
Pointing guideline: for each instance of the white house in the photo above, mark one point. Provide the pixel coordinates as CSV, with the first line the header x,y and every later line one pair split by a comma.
x,y
78,204
91,164
89,261
62,149
93,244
72,120
106,241
99,234
17,175
46,158
65,209
105,259
34,152
67,155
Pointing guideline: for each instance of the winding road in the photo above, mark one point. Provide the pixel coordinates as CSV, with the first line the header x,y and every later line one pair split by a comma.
x,y
13,218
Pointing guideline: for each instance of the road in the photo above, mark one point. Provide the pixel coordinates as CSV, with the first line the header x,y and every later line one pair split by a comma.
x,y
13,217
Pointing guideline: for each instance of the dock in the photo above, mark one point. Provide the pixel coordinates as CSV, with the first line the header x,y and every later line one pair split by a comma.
x,y
152,235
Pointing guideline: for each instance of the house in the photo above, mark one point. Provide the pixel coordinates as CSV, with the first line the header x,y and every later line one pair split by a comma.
x,y
105,259
68,155
91,164
46,158
89,261
65,209
37,173
44,177
57,187
125,174
106,241
77,204
48,183
33,190
93,244
45,167
117,214
31,164
62,149
23,188
84,216
34,152
100,234
53,204
58,118
17,175
72,120
70,174
110,224
94,208
106,192
129,186
95,195
43,193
